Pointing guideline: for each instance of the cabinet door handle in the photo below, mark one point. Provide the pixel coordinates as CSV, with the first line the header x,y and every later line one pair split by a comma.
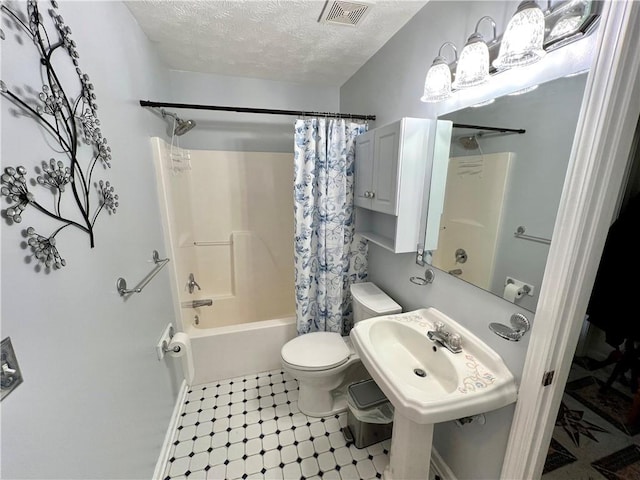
x,y
366,194
372,194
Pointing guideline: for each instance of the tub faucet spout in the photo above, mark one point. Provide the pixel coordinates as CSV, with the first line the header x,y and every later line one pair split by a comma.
x,y
207,302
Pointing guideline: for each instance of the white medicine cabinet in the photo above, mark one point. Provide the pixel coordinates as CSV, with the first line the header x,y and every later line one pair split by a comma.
x,y
393,167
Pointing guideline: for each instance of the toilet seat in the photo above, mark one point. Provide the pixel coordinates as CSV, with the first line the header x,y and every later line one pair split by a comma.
x,y
316,351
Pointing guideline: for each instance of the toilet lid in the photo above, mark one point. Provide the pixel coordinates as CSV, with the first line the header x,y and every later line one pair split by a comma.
x,y
374,299
316,351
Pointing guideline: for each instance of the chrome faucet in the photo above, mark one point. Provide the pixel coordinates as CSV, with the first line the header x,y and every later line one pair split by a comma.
x,y
191,284
207,302
451,341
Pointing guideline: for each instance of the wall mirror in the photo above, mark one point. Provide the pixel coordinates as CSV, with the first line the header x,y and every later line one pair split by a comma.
x,y
502,189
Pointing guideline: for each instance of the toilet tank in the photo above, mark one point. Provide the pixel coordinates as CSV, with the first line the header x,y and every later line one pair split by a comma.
x,y
369,301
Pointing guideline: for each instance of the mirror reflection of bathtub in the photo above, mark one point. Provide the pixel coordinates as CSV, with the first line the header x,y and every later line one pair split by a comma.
x,y
228,217
497,182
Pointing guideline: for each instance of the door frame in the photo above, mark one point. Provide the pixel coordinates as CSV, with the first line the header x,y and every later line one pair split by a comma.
x,y
596,174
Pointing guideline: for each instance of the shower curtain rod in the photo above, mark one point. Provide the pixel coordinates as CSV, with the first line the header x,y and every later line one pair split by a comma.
x,y
490,129
268,111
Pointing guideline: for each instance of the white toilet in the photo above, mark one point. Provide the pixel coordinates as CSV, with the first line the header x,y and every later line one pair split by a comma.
x,y
325,363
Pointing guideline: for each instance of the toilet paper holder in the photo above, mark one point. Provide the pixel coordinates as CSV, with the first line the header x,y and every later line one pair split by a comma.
x,y
163,342
519,326
524,289
166,349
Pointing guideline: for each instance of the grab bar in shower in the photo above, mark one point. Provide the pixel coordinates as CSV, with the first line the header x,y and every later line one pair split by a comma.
x,y
519,233
212,244
121,283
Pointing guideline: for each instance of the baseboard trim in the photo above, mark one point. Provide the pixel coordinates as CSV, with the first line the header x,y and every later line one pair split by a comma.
x,y
442,469
173,425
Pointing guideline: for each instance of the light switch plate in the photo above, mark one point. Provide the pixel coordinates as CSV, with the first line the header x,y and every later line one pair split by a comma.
x,y
10,374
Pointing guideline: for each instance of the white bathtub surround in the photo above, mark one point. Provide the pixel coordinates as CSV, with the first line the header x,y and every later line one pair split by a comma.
x,y
328,257
251,427
227,224
235,350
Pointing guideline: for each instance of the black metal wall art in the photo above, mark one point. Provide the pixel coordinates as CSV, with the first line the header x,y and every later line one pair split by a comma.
x,y
67,112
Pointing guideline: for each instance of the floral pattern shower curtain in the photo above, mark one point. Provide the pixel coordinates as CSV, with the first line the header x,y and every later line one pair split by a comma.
x,y
328,259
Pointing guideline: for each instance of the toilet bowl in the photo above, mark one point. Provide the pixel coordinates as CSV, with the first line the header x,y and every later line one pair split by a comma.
x,y
325,363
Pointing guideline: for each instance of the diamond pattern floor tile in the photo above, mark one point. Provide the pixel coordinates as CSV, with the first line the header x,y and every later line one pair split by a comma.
x,y
590,439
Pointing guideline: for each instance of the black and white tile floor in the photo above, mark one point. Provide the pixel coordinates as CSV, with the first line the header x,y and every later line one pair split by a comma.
x,y
251,428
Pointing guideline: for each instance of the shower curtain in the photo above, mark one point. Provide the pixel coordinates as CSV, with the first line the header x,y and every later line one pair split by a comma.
x,y
328,259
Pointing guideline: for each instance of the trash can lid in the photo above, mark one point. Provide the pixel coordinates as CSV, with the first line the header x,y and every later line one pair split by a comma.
x,y
366,394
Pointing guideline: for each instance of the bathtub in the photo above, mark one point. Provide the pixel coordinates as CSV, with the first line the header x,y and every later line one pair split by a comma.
x,y
239,334
235,350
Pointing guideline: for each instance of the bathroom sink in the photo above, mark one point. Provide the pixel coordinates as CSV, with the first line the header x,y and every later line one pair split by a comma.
x,y
424,381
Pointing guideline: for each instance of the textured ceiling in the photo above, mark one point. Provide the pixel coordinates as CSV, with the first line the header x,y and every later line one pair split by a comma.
x,y
269,39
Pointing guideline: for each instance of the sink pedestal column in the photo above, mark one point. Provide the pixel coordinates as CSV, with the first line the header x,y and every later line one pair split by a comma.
x,y
410,450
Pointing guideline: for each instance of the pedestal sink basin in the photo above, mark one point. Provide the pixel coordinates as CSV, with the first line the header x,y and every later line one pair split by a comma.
x,y
427,383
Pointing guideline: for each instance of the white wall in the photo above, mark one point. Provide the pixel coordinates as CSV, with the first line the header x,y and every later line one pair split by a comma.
x,y
95,402
389,86
244,131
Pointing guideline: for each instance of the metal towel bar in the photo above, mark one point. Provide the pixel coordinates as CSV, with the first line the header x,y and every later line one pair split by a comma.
x,y
121,283
519,233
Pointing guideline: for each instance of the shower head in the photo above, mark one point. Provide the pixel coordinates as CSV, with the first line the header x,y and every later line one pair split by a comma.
x,y
180,126
469,142
183,126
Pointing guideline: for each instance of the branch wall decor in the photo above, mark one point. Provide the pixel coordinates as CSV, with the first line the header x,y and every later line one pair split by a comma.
x,y
67,112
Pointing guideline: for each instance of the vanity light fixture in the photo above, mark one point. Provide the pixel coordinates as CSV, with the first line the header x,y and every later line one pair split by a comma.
x,y
529,35
522,43
473,67
568,22
437,84
564,27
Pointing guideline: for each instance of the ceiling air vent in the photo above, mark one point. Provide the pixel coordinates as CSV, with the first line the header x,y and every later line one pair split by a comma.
x,y
344,13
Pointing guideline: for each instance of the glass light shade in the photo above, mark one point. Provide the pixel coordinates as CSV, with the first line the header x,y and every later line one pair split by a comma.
x,y
522,42
565,26
437,85
473,66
